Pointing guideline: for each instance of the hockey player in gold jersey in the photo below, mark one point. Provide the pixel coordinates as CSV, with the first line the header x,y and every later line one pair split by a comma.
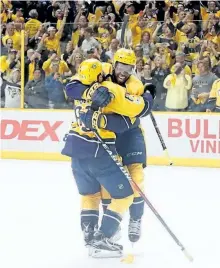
x,y
130,142
98,105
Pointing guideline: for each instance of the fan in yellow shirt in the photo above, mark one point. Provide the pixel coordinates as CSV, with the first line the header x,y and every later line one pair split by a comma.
x,y
180,15
55,60
212,8
5,14
59,15
33,25
12,34
141,27
189,43
163,52
105,27
133,18
18,16
80,24
105,32
5,9
187,35
208,49
5,62
51,40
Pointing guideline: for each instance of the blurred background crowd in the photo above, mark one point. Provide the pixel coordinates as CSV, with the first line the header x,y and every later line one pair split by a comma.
x,y
177,45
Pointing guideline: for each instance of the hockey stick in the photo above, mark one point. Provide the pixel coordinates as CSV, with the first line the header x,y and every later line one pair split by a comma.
x,y
127,175
161,138
124,25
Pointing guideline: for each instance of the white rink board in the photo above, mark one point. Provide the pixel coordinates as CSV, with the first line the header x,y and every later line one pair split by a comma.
x,y
191,136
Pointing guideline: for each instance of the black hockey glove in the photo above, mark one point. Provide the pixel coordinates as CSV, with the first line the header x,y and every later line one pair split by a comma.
x,y
150,88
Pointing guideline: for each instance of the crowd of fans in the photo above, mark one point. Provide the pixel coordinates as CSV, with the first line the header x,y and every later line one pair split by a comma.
x,y
177,45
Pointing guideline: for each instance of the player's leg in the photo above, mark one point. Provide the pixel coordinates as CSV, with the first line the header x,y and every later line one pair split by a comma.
x,y
131,146
109,175
137,208
89,189
106,201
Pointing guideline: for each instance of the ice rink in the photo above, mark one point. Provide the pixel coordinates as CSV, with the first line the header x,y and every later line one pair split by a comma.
x,y
39,218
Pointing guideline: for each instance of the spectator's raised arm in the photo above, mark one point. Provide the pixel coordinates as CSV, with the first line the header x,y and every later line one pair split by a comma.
x,y
60,31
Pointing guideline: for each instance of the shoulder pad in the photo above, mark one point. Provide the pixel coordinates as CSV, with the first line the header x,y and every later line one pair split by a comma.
x,y
134,86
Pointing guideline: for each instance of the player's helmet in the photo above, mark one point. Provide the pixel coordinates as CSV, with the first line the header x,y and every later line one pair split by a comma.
x,y
126,56
89,71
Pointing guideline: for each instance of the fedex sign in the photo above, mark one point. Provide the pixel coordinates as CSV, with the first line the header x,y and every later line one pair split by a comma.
x,y
29,130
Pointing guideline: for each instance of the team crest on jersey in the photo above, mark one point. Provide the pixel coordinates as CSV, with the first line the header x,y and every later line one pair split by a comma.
x,y
94,66
135,99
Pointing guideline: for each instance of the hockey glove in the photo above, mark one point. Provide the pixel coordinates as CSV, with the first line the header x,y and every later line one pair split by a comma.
x,y
150,88
93,120
101,98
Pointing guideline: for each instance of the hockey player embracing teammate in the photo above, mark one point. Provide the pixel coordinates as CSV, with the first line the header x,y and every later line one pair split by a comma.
x,y
112,108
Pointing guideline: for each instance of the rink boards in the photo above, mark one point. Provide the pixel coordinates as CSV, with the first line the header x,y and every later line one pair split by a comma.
x,y
192,139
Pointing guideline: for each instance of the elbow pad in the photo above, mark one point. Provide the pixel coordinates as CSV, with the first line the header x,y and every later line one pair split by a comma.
x,y
74,90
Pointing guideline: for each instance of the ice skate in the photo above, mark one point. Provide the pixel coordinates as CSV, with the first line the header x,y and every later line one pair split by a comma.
x,y
88,232
103,247
134,230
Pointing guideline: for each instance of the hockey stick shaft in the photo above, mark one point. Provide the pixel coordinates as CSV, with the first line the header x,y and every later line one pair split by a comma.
x,y
136,187
124,25
161,138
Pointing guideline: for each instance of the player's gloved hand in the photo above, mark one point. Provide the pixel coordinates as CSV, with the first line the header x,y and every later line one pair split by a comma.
x,y
150,88
93,120
101,98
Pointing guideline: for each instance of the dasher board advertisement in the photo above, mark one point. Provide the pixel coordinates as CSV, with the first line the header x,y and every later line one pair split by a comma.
x,y
192,139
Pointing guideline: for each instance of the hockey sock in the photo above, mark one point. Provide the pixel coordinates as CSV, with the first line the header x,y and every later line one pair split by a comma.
x,y
110,223
137,208
89,217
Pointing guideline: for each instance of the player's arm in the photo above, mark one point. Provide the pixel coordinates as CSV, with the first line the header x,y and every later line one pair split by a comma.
x,y
118,123
112,95
75,89
126,104
113,122
121,103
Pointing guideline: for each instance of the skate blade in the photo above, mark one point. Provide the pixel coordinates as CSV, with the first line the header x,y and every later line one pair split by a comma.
x,y
104,254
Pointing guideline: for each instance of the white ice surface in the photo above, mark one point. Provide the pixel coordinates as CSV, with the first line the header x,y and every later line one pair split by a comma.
x,y
39,218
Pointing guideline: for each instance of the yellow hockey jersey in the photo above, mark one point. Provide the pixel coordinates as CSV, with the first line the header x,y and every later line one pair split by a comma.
x,y
122,103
